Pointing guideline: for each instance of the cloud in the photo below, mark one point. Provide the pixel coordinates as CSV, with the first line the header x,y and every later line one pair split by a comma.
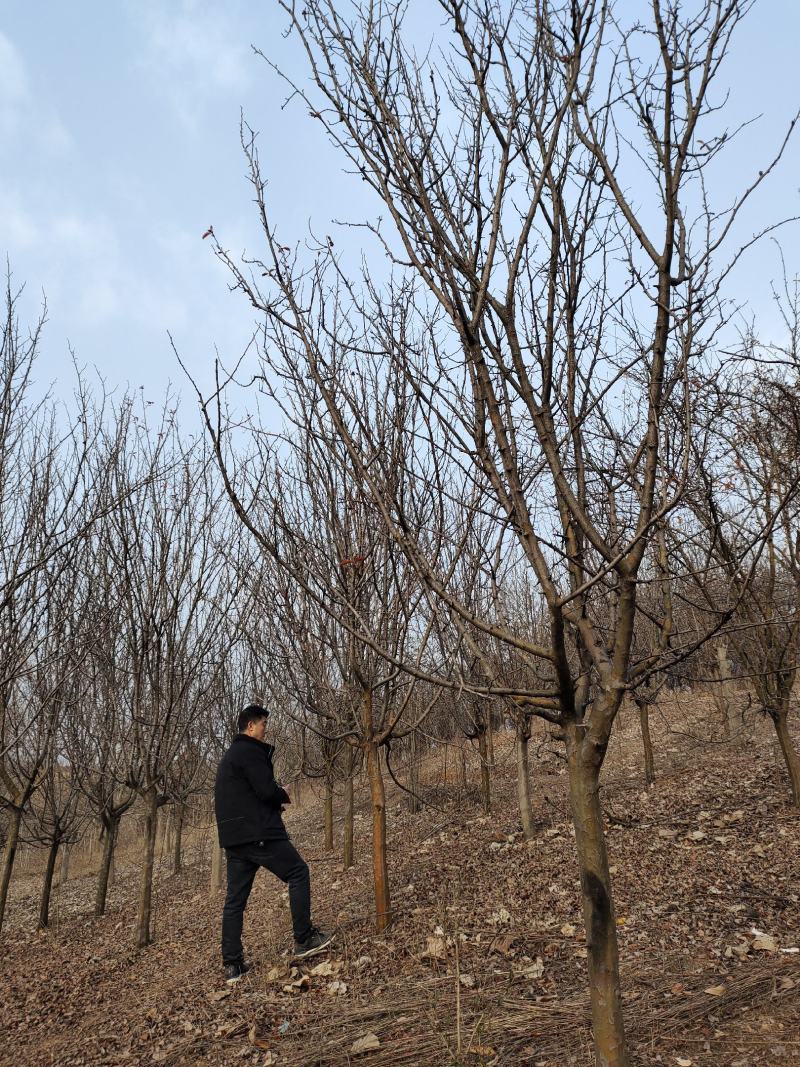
x,y
19,111
14,90
195,53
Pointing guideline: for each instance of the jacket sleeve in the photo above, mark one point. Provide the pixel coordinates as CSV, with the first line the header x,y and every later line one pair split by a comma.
x,y
263,783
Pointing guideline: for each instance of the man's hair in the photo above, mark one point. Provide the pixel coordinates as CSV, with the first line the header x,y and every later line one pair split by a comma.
x,y
252,713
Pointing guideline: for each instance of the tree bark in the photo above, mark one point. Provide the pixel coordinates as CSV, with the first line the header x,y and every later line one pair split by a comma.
x,y
143,917
9,855
328,814
380,870
486,795
217,865
781,722
104,874
414,804
598,903
523,778
177,841
47,886
647,741
347,849
462,767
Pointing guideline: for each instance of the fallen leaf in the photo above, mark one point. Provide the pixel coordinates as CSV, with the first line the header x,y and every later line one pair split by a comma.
x,y
303,982
365,1044
466,980
337,988
324,969
715,990
436,948
765,943
218,994
682,1062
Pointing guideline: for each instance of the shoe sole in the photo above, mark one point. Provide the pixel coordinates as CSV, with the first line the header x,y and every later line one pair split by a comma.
x,y
313,951
238,977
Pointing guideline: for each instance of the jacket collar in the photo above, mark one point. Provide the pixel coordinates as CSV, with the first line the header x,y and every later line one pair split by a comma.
x,y
254,741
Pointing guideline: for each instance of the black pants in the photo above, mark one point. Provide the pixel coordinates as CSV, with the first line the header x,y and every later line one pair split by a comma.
x,y
284,861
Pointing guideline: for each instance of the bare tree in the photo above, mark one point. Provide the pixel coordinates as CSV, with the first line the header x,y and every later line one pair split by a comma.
x,y
542,322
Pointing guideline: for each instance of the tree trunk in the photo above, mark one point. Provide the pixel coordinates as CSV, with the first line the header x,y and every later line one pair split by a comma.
x,y
414,774
486,796
217,866
489,737
347,850
177,841
328,814
143,936
462,767
104,875
380,869
63,874
781,722
598,903
524,779
9,854
725,700
647,741
47,886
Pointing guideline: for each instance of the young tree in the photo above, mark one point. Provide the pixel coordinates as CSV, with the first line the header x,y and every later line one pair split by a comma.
x,y
541,321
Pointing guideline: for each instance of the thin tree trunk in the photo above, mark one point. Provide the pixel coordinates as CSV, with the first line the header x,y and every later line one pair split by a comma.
x,y
177,841
347,849
217,866
647,741
781,723
486,796
598,904
63,874
12,840
524,779
104,875
414,760
328,814
47,886
462,767
489,737
143,917
380,870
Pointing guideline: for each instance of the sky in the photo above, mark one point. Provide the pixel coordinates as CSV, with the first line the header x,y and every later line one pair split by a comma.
x,y
119,146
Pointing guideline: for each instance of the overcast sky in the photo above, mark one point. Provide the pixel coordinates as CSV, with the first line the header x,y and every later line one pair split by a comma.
x,y
119,127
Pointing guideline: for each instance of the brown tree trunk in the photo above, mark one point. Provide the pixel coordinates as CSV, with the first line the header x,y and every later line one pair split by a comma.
x,y
781,722
489,737
380,870
103,877
414,775
647,741
598,903
143,916
47,886
462,767
177,840
9,854
217,865
328,814
486,795
347,850
63,874
523,778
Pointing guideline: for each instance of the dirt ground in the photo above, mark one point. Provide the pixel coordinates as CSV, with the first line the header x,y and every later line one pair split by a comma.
x,y
484,964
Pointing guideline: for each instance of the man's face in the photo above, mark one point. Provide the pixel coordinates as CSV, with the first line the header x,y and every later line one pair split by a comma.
x,y
257,729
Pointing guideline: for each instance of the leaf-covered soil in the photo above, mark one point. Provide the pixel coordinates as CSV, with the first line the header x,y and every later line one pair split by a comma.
x,y
484,963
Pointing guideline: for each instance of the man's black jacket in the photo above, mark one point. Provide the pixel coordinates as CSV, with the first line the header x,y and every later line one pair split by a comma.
x,y
247,799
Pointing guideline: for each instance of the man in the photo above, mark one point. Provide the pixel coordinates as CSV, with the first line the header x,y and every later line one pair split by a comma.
x,y
248,803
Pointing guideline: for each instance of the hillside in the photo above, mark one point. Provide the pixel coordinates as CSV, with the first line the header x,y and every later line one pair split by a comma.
x,y
486,954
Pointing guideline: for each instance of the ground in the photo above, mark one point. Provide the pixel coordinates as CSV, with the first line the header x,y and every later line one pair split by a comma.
x,y
484,964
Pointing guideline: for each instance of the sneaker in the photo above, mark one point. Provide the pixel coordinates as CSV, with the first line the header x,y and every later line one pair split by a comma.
x,y
317,941
235,971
